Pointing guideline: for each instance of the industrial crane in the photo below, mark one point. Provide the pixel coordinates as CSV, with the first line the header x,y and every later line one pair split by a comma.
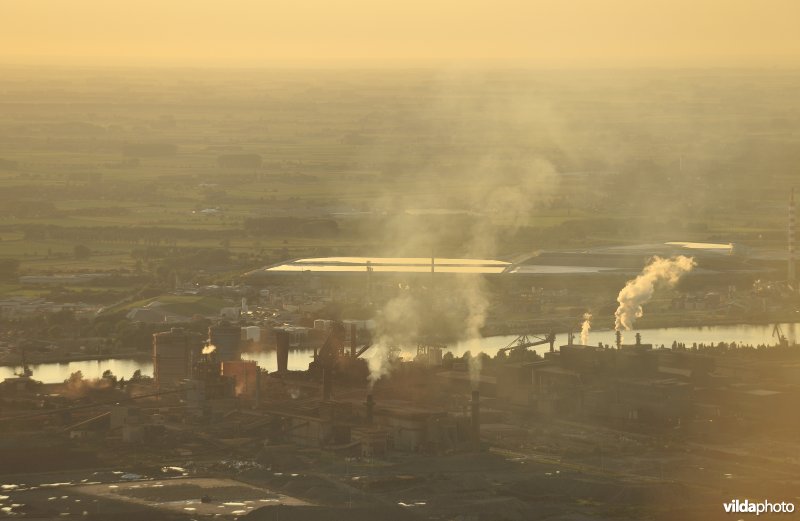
x,y
523,342
778,333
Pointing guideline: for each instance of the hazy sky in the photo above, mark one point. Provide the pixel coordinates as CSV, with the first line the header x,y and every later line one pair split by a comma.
x,y
549,33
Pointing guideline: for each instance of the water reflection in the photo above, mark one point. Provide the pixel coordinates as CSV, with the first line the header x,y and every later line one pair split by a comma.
x,y
299,359
54,373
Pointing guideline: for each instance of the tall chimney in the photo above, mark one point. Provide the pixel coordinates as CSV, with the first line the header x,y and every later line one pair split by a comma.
x,y
353,335
791,277
282,343
370,407
638,339
476,420
619,339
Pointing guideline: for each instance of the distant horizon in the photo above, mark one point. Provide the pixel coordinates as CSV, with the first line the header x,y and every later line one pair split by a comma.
x,y
409,33
388,67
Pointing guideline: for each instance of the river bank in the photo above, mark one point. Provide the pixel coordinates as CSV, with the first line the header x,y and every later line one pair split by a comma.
x,y
507,329
15,360
741,334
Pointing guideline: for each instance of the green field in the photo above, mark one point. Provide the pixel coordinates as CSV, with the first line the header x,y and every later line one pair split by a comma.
x,y
536,160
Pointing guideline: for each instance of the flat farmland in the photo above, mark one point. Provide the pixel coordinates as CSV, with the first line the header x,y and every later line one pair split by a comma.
x,y
143,168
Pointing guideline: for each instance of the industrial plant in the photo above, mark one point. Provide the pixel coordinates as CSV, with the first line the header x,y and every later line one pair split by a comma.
x,y
399,260
280,410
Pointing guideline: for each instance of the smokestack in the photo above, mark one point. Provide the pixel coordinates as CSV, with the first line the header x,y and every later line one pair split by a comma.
x,y
476,420
638,339
370,406
282,341
791,277
353,333
327,383
619,339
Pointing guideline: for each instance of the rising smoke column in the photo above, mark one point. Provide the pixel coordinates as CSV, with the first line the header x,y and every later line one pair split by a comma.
x,y
585,328
397,325
477,303
499,188
658,273
382,357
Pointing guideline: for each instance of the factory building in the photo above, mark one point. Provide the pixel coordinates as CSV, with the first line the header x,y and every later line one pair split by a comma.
x,y
226,338
398,426
245,374
617,384
209,392
174,354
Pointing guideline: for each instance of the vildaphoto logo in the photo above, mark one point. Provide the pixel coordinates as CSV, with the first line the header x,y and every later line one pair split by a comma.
x,y
763,507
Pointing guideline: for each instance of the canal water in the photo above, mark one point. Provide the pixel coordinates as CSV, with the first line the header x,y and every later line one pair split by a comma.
x,y
299,359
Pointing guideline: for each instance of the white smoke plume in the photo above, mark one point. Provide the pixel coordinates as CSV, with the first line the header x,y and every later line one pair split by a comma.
x,y
485,184
397,324
477,304
381,358
585,328
658,273
210,348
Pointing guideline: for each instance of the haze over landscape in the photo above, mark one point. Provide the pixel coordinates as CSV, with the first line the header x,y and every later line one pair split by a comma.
x,y
401,260
543,33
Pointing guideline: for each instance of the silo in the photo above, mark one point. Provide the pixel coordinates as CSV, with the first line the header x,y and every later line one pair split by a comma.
x,y
174,353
